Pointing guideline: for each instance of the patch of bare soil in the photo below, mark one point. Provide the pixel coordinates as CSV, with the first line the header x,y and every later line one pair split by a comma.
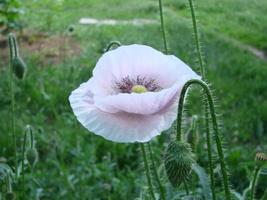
x,y
47,49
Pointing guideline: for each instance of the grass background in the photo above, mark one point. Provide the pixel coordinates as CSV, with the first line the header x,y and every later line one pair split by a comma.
x,y
75,164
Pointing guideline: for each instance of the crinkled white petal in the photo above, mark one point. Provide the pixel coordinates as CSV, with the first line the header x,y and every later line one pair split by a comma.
x,y
138,60
122,126
145,103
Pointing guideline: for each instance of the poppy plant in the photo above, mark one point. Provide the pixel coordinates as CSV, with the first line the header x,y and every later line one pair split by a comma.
x,y
132,95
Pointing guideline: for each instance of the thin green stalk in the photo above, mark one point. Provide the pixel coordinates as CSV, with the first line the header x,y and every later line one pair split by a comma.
x,y
111,44
208,140
186,188
202,70
163,26
161,188
210,101
196,36
23,164
149,180
254,182
13,50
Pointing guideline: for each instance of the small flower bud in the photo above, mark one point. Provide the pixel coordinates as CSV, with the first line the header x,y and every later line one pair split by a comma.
x,y
32,156
19,67
261,159
178,162
71,29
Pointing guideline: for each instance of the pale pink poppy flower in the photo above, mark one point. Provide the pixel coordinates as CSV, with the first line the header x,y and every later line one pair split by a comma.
x,y
132,95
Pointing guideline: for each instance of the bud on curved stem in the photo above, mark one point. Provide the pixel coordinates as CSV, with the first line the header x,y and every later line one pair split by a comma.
x,y
178,161
215,128
111,44
260,161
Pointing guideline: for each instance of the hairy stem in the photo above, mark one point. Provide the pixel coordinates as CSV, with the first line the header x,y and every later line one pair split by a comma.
x,y
161,188
23,164
111,44
254,182
13,52
149,180
202,70
196,36
163,26
186,188
215,128
208,140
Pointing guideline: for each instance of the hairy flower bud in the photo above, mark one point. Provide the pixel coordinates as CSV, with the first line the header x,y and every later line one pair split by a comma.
x,y
178,162
19,67
32,156
261,159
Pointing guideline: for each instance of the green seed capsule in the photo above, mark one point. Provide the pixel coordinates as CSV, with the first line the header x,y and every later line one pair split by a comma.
x,y
32,156
19,67
178,162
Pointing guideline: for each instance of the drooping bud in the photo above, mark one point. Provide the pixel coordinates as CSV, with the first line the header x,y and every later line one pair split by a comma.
x,y
32,156
178,162
261,159
19,67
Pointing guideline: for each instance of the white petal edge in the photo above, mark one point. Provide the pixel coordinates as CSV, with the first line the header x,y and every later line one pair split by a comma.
x,y
120,127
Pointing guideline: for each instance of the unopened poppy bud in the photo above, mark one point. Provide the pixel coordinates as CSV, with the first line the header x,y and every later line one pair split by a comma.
x,y
19,67
178,162
71,29
32,156
10,196
261,159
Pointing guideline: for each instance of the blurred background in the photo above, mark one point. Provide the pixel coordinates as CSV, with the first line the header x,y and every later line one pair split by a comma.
x,y
61,40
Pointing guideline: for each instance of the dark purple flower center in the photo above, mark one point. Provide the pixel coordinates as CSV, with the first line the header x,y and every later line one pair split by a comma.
x,y
126,84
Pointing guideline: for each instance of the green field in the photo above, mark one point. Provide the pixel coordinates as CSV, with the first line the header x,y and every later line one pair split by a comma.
x,y
76,164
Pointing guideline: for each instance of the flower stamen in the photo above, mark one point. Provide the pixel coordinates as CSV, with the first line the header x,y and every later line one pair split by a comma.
x,y
139,89
137,85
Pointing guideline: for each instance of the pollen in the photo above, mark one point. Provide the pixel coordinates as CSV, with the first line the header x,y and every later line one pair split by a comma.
x,y
137,85
139,89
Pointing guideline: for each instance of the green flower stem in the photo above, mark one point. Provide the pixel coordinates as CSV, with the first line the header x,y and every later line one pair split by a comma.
x,y
111,44
208,140
254,182
186,188
196,36
13,52
149,180
163,27
23,164
161,188
210,101
202,70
